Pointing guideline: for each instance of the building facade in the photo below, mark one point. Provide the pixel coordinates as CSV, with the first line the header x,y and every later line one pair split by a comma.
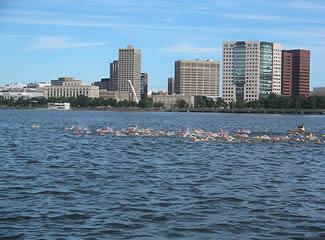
x,y
159,93
318,91
114,75
26,94
14,87
295,73
251,70
197,78
70,88
129,68
117,95
171,86
38,85
104,83
144,85
170,101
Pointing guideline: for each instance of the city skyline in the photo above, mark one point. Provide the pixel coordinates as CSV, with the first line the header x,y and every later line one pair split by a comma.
x,y
41,40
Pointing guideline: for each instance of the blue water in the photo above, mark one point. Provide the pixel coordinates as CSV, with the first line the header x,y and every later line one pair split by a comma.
x,y
56,185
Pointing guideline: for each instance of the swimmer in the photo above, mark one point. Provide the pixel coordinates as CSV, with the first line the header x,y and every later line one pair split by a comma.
x,y
301,128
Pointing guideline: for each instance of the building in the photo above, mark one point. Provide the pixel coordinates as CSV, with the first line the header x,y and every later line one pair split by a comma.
x,y
70,88
14,87
251,70
117,95
18,90
159,93
114,75
38,85
171,86
318,91
144,85
26,94
59,106
61,80
129,68
104,83
170,101
295,72
197,78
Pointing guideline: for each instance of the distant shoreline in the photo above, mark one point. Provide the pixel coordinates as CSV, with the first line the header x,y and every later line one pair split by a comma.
x,y
195,110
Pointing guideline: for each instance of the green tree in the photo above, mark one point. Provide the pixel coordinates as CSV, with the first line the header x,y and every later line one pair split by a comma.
x,y
285,102
158,105
146,103
181,103
240,104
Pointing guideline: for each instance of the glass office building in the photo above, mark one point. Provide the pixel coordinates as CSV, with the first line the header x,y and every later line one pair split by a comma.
x,y
251,70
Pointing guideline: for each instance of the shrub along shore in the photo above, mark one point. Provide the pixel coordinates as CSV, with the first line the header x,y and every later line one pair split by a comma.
x,y
271,104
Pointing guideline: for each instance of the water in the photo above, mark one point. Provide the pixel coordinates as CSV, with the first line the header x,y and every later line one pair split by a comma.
x,y
55,185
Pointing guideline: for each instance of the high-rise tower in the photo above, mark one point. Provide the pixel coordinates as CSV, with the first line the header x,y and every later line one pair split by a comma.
x,y
129,68
251,70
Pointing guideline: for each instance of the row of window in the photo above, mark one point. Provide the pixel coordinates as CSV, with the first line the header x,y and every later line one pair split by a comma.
x,y
60,93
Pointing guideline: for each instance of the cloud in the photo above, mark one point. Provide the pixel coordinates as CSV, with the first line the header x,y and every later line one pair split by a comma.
x,y
95,22
188,48
54,42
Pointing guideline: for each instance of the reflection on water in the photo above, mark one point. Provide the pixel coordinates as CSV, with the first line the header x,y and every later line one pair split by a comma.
x,y
54,184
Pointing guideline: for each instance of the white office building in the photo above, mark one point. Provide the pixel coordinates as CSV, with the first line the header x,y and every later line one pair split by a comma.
x,y
251,70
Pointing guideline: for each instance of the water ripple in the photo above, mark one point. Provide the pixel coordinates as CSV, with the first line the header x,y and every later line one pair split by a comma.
x,y
54,185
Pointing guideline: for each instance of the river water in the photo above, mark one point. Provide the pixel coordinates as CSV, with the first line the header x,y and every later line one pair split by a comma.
x,y
56,185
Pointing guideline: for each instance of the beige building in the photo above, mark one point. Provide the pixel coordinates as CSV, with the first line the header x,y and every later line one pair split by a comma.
x,y
251,70
169,101
117,95
129,68
197,78
70,88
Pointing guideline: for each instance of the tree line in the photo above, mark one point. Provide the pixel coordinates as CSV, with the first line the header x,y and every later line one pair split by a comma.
x,y
270,102
79,102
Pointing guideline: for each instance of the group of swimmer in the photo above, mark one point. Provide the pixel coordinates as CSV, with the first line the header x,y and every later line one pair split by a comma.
x,y
198,135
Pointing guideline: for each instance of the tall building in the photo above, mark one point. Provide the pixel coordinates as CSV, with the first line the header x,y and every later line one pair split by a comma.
x,y
104,83
251,70
171,86
144,85
197,78
295,72
114,75
129,68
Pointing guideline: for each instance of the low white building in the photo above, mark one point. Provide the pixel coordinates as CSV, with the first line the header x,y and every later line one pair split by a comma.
x,y
170,101
38,85
22,94
59,106
14,87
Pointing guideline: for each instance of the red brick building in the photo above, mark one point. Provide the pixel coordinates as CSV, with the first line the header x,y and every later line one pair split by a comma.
x,y
295,73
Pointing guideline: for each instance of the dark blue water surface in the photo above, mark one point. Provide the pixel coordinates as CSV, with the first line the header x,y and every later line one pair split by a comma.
x,y
56,185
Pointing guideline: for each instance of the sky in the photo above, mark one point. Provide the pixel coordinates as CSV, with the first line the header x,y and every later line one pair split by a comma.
x,y
41,40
